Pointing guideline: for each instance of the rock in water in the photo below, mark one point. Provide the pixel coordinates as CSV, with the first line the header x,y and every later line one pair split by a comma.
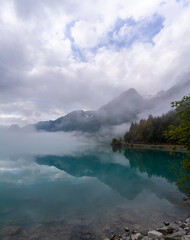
x,y
137,236
187,237
146,238
155,234
174,226
166,223
165,230
188,220
127,229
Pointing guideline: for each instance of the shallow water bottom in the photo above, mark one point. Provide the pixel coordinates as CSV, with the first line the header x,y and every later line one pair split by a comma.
x,y
98,228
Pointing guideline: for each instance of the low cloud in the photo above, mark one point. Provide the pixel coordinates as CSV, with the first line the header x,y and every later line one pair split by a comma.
x,y
20,142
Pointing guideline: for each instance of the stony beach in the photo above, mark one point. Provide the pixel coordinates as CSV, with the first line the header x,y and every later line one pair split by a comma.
x,y
169,231
177,230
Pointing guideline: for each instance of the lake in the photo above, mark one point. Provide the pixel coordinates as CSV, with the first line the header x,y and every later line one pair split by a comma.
x,y
87,194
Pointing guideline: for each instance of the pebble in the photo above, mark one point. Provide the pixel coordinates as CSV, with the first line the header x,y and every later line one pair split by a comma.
x,y
165,230
188,220
146,238
144,232
166,223
127,229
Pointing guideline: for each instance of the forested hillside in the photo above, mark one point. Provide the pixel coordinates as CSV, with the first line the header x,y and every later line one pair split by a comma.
x,y
151,130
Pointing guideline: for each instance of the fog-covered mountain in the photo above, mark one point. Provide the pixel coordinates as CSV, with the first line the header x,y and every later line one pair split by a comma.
x,y
160,103
127,107
122,109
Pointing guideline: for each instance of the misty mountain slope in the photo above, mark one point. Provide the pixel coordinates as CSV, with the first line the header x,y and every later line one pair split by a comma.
x,y
75,121
161,102
127,107
123,108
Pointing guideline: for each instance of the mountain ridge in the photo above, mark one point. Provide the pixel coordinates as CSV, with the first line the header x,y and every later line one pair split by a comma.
x,y
124,108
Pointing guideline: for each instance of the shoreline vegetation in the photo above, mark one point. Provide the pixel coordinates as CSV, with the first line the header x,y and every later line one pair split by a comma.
x,y
119,144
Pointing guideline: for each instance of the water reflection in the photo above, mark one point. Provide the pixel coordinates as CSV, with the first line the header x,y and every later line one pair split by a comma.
x,y
93,189
154,162
126,180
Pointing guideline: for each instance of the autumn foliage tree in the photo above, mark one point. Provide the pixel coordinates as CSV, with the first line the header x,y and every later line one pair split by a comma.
x,y
150,131
181,135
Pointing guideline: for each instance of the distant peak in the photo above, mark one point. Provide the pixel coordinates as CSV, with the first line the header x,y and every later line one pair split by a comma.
x,y
131,91
14,127
160,93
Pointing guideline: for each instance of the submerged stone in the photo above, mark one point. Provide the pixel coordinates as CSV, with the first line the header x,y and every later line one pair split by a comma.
x,y
11,230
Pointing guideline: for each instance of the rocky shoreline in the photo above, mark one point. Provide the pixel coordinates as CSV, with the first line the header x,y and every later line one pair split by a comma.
x,y
169,231
178,230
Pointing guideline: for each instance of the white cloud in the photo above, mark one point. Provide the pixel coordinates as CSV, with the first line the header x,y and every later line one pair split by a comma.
x,y
84,34
60,56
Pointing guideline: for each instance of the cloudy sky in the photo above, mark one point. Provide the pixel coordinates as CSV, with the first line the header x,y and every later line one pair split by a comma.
x,y
61,55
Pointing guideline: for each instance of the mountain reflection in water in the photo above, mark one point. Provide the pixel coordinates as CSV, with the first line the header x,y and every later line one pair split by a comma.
x,y
126,180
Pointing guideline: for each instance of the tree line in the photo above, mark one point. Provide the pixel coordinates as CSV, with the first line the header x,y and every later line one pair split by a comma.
x,y
150,131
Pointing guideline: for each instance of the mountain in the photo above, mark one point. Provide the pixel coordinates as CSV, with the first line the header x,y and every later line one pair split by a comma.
x,y
123,109
14,128
130,104
80,120
161,102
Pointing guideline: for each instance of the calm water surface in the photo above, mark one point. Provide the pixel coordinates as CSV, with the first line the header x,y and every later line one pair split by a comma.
x,y
88,195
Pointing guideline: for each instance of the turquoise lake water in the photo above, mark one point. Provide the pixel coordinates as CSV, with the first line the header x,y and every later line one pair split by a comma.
x,y
88,195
